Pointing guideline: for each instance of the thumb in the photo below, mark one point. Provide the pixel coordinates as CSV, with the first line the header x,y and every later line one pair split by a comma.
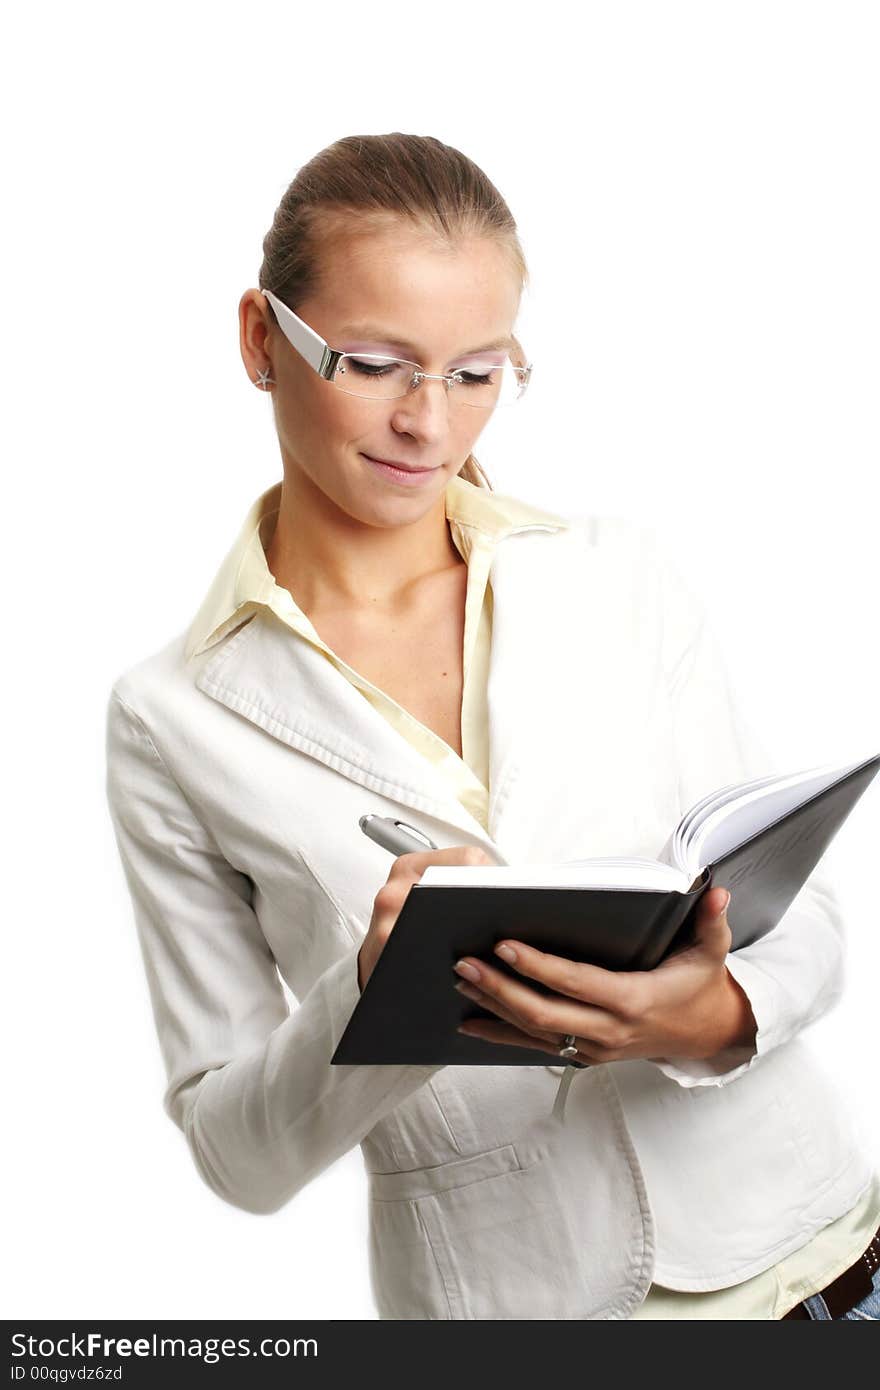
x,y
712,927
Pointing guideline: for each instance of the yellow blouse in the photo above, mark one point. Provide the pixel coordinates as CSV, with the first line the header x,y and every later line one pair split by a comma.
x,y
477,519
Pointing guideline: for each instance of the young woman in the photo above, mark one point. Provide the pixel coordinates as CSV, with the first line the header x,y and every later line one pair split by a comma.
x,y
390,635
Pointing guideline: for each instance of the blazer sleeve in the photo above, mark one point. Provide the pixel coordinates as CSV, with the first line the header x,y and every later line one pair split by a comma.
x,y
250,1084
794,974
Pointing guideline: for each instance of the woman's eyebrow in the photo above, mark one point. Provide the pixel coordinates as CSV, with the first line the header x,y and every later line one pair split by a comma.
x,y
372,330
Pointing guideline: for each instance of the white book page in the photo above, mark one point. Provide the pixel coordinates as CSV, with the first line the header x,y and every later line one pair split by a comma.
x,y
677,847
636,874
736,821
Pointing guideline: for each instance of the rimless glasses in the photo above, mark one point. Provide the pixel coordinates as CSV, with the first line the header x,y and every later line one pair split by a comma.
x,y
485,379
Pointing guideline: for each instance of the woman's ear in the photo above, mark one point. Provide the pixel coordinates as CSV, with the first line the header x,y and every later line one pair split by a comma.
x,y
254,334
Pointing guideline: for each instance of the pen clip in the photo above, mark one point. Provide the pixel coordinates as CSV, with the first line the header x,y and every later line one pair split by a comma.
x,y
402,825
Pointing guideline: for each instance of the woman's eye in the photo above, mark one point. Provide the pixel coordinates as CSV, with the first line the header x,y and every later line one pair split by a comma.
x,y
373,368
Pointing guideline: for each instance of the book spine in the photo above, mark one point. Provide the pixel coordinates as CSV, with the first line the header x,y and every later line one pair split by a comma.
x,y
672,929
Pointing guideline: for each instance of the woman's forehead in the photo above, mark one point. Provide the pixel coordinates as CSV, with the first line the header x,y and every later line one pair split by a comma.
x,y
373,267
412,304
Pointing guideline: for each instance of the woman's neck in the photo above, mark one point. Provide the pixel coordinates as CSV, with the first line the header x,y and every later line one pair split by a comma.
x,y
331,562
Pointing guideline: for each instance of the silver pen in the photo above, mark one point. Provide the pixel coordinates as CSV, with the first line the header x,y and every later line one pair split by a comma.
x,y
395,835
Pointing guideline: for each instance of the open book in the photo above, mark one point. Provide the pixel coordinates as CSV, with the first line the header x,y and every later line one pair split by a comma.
x,y
761,840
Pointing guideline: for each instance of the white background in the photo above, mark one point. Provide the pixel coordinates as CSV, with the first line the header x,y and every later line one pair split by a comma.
x,y
696,190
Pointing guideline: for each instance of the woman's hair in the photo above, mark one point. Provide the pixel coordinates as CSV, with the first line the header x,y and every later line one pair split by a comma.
x,y
356,186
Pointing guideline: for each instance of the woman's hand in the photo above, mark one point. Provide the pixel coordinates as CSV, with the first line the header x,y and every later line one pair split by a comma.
x,y
688,1006
406,870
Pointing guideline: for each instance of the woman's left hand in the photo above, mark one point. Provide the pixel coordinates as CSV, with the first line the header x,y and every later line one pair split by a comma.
x,y
688,1006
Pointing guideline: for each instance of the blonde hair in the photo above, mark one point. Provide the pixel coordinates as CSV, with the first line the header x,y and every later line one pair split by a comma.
x,y
355,185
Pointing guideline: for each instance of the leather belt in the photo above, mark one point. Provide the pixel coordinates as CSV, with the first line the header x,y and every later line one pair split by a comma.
x,y
850,1287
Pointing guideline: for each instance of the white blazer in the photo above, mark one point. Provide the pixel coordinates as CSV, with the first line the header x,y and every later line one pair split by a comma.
x,y
235,781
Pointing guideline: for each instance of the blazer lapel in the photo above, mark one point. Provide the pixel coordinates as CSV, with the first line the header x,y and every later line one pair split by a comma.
x,y
289,689
532,656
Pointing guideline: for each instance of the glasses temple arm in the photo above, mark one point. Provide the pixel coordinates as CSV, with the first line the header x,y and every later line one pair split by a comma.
x,y
306,341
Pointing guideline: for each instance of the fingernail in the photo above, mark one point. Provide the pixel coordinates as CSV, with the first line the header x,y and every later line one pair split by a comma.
x,y
506,953
470,972
723,907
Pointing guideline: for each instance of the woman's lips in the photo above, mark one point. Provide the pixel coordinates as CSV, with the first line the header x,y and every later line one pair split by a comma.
x,y
410,477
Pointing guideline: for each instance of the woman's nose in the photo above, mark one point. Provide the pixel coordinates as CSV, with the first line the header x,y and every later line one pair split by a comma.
x,y
425,409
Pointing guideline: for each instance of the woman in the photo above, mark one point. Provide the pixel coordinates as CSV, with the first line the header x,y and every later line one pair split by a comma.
x,y
390,635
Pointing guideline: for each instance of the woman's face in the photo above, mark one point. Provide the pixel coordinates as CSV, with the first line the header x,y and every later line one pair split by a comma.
x,y
441,302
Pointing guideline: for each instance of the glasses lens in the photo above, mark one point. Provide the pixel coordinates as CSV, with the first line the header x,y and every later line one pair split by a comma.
x,y
485,386
381,378
489,386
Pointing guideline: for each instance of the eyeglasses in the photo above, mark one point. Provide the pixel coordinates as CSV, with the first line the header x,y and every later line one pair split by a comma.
x,y
377,377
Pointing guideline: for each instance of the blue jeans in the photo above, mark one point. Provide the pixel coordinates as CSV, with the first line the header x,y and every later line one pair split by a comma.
x,y
866,1311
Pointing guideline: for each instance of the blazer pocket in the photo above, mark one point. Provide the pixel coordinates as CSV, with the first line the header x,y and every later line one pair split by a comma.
x,y
485,1237
413,1183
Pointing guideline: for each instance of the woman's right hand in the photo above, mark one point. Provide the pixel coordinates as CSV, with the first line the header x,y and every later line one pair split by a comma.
x,y
406,870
